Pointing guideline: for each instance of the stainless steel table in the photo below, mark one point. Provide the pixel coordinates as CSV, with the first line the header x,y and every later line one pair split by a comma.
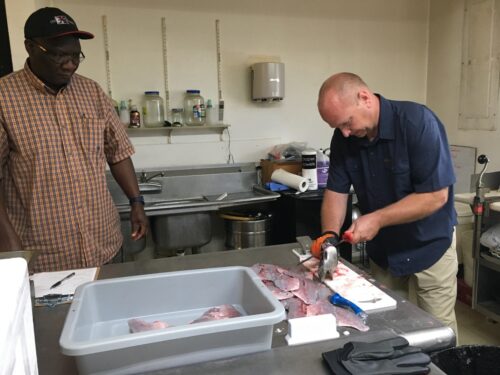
x,y
418,326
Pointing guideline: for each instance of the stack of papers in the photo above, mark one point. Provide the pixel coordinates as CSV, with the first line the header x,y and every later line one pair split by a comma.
x,y
44,280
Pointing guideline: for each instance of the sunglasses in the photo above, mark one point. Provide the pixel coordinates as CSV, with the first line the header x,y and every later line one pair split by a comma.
x,y
61,58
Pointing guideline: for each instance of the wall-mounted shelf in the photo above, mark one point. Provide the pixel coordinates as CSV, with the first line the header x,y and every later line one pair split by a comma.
x,y
186,130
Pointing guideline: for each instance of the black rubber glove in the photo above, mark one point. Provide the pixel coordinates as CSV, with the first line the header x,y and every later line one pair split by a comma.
x,y
389,348
386,357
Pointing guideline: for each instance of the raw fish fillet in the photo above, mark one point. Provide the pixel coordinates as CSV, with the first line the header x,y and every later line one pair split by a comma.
x,y
277,292
139,325
271,272
311,291
282,278
266,271
218,313
311,298
308,291
287,283
345,317
295,308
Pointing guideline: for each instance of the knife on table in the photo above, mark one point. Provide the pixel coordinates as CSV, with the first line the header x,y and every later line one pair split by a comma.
x,y
338,300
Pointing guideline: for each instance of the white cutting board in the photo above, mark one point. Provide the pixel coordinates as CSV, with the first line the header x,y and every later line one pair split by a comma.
x,y
349,284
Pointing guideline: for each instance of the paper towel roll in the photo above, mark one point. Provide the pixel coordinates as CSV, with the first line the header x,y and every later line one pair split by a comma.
x,y
289,179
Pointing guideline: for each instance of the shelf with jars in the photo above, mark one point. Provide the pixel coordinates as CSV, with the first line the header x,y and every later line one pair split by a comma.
x,y
170,131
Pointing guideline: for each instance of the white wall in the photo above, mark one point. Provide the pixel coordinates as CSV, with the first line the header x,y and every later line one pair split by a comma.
x,y
443,95
385,41
17,13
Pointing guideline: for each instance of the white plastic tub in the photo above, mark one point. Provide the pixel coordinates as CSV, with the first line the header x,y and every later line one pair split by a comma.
x,y
96,329
17,337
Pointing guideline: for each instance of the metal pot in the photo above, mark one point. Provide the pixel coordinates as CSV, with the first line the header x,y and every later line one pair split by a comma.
x,y
244,231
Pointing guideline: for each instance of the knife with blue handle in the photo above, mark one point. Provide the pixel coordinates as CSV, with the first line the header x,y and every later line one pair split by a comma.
x,y
338,300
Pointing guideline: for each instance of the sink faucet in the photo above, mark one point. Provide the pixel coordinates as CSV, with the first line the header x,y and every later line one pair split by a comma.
x,y
145,178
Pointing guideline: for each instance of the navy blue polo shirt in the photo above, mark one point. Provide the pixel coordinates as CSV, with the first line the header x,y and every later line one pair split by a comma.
x,y
409,155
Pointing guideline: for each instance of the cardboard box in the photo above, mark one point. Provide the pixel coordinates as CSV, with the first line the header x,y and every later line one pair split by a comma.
x,y
269,166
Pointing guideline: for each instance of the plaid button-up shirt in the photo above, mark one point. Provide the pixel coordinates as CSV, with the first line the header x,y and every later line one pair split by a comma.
x,y
53,152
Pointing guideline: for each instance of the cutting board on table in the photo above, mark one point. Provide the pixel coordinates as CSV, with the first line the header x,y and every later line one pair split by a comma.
x,y
349,284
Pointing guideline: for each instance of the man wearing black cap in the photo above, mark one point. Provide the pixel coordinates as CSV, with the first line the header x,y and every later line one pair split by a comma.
x,y
57,132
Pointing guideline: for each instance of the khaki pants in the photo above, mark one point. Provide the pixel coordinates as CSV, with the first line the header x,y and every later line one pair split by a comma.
x,y
433,290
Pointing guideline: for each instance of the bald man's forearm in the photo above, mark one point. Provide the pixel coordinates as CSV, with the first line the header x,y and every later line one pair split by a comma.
x,y
411,208
333,211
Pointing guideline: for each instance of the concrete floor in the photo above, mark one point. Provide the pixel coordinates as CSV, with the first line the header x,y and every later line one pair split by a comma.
x,y
474,328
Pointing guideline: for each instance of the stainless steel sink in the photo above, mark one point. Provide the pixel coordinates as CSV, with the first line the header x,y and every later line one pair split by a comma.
x,y
154,205
188,230
151,187
169,190
179,201
174,201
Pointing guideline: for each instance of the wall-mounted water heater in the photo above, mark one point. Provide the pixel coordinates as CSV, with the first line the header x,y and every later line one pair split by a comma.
x,y
268,81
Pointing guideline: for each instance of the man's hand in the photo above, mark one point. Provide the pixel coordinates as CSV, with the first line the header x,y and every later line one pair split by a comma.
x,y
124,174
330,237
138,221
364,228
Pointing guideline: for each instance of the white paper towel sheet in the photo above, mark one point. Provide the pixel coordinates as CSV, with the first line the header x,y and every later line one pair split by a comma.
x,y
291,180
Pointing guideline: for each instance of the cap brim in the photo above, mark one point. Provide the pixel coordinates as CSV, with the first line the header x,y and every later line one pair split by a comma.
x,y
78,33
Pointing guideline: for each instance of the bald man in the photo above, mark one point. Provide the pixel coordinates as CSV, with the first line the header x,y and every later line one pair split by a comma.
x,y
396,156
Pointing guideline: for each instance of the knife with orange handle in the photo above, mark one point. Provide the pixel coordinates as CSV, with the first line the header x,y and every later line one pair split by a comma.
x,y
346,237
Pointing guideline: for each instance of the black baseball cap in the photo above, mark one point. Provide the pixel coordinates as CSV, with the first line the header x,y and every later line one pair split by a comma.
x,y
52,23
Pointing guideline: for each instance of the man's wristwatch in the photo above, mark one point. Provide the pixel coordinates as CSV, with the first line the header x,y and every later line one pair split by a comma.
x,y
139,199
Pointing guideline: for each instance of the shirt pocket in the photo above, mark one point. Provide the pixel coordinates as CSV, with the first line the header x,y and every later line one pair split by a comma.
x,y
355,173
401,178
92,137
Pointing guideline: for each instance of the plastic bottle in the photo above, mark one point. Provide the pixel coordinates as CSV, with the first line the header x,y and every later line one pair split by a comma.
x,y
309,168
194,108
212,114
322,165
124,113
153,112
135,117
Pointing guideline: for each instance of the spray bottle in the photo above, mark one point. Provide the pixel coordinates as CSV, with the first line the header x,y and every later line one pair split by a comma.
x,y
309,168
323,163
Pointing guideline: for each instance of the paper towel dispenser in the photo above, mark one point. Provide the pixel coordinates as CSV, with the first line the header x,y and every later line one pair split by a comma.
x,y
268,81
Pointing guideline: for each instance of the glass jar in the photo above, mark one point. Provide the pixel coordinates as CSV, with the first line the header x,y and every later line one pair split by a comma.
x,y
177,117
152,110
194,108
